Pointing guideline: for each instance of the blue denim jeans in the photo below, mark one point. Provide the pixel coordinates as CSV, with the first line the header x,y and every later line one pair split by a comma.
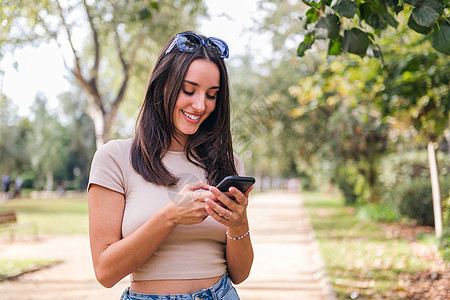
x,y
222,290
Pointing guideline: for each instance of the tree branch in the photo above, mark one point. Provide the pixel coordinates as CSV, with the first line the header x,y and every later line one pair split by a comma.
x,y
126,71
77,70
117,39
95,67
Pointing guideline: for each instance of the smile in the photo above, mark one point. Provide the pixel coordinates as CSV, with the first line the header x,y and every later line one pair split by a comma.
x,y
192,117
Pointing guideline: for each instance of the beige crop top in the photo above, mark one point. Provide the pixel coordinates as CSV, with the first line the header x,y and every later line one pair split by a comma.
x,y
189,252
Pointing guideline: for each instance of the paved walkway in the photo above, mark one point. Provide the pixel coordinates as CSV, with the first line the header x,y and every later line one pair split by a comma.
x,y
287,261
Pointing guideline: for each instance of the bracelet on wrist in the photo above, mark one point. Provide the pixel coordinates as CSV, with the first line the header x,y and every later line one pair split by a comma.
x,y
238,238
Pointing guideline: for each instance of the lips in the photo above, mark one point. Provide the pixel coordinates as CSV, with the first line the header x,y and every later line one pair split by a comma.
x,y
191,116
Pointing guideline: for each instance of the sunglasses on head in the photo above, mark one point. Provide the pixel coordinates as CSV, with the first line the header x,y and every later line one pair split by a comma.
x,y
188,42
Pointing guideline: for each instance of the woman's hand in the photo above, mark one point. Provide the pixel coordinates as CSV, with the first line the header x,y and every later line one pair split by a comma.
x,y
231,213
189,204
239,251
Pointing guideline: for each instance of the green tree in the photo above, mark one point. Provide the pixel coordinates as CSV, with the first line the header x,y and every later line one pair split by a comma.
x,y
354,26
409,84
13,136
81,139
46,143
108,42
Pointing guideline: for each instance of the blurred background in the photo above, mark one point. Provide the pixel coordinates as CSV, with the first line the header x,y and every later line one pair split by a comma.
x,y
346,99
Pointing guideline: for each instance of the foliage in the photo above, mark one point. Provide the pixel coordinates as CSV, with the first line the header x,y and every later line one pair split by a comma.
x,y
403,167
444,244
104,43
414,199
354,26
379,212
362,259
13,133
49,142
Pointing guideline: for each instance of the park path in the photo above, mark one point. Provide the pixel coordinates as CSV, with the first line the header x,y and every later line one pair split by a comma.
x,y
287,262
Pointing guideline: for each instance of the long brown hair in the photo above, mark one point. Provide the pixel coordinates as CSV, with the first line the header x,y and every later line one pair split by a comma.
x,y
209,148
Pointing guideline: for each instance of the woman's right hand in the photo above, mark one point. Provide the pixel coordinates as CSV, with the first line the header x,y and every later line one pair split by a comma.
x,y
189,204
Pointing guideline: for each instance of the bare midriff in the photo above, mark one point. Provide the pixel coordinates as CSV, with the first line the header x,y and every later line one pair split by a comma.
x,y
164,287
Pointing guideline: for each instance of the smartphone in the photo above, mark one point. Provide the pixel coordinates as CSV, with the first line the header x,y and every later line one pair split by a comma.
x,y
240,182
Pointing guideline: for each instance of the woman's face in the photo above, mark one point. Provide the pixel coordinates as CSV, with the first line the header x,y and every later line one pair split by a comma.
x,y
197,98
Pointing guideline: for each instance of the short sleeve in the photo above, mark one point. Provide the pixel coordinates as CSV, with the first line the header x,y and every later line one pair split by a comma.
x,y
106,168
239,164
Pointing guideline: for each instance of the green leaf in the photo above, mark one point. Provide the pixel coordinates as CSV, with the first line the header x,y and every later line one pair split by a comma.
x,y
441,39
356,41
144,14
305,45
365,10
398,9
436,6
416,27
327,27
376,21
312,15
425,16
314,3
154,5
412,2
345,8
335,47
390,19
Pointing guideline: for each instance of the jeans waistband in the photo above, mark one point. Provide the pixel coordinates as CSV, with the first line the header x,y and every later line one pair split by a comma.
x,y
214,292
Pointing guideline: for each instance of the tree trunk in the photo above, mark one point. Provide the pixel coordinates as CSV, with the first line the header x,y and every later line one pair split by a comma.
x,y
98,118
435,190
49,183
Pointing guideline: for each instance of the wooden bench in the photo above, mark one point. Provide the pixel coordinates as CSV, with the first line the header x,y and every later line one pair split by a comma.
x,y
8,222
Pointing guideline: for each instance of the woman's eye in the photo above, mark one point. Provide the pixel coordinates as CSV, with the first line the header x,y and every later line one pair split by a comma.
x,y
213,97
188,93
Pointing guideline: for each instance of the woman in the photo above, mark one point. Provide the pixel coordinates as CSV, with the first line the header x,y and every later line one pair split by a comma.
x,y
154,212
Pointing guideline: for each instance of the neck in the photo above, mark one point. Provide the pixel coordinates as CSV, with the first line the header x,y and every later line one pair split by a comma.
x,y
177,144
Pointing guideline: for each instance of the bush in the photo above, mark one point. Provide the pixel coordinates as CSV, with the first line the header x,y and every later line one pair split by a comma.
x,y
28,180
379,212
444,244
352,184
401,168
415,199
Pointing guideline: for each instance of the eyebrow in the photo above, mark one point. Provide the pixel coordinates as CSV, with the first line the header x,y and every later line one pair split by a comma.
x,y
196,84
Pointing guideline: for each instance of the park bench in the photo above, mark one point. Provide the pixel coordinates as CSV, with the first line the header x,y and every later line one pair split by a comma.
x,y
8,222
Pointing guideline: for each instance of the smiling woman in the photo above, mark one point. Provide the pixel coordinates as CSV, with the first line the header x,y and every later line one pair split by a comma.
x,y
154,212
197,100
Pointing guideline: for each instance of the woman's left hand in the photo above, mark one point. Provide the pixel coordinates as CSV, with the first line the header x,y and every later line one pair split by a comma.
x,y
231,213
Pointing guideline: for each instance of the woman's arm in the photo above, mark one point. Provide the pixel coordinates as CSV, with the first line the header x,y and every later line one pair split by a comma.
x,y
239,253
113,257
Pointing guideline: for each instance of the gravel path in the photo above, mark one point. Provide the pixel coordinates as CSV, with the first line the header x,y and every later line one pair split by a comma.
x,y
287,261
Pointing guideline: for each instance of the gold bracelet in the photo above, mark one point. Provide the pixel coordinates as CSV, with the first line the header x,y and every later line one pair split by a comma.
x,y
238,238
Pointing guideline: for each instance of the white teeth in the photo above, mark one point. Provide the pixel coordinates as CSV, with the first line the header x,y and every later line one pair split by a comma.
x,y
190,116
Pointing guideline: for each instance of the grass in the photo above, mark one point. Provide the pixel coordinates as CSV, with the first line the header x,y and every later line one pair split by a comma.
x,y
11,267
362,260
52,216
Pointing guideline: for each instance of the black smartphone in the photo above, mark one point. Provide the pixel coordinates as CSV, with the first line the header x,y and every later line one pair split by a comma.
x,y
240,182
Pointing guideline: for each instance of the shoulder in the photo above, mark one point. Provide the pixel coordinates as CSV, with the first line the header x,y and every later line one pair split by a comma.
x,y
117,151
115,147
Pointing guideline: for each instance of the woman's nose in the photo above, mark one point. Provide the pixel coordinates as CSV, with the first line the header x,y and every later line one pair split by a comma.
x,y
199,102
